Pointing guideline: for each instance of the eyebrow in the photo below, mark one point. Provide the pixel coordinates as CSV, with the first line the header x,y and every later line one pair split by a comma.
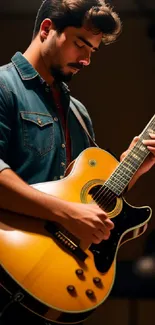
x,y
81,38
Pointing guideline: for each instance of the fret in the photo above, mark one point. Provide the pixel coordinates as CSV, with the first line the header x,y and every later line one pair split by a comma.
x,y
128,168
119,177
141,150
119,180
124,172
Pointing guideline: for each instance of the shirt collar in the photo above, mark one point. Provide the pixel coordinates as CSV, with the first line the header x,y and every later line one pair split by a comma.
x,y
27,72
24,68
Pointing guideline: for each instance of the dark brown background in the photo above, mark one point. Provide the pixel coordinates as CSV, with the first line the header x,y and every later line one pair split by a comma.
x,y
118,91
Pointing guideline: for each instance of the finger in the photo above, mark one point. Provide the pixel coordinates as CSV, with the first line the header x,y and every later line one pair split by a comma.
x,y
104,230
152,135
105,222
152,149
101,213
102,234
97,239
149,142
108,223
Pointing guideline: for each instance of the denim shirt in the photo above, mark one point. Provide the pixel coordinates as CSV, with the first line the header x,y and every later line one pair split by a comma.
x,y
32,141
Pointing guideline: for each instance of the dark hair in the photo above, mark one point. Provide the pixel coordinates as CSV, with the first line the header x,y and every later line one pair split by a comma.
x,y
95,15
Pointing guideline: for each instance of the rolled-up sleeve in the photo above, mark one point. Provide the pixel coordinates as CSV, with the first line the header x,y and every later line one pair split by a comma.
x,y
5,125
3,165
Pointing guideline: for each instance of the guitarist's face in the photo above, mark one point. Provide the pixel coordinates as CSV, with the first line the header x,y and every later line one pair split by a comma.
x,y
67,53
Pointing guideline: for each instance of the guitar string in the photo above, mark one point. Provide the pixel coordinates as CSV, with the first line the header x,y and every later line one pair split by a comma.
x,y
117,172
112,197
106,192
123,185
136,149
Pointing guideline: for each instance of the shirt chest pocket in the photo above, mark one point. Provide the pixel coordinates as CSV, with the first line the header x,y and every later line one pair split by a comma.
x,y
38,132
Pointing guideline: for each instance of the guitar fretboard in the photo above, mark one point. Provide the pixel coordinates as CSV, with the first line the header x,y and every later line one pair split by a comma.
x,y
122,175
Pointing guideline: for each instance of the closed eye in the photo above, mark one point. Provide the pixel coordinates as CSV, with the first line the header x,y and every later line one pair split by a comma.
x,y
79,46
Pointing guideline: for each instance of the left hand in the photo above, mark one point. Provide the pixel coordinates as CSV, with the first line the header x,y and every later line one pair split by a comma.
x,y
149,161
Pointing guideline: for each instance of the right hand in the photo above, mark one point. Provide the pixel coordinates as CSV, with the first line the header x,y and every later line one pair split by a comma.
x,y
87,222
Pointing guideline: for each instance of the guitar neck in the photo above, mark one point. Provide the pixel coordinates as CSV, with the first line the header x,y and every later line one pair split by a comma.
x,y
123,174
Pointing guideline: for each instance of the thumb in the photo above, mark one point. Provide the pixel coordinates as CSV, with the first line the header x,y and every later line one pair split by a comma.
x,y
134,141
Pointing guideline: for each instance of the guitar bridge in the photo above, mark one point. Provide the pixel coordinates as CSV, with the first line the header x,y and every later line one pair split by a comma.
x,y
66,240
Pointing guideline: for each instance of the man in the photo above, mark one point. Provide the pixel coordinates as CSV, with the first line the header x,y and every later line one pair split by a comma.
x,y
39,134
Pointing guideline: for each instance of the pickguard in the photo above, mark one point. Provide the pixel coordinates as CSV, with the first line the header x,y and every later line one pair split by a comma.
x,y
129,218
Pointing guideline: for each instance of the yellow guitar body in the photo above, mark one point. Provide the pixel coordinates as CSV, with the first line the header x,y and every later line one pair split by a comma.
x,y
45,269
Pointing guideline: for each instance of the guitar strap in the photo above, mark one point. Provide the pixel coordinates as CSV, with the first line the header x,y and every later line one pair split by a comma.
x,y
81,121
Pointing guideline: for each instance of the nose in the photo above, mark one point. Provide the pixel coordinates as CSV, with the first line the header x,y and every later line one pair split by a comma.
x,y
85,59
85,62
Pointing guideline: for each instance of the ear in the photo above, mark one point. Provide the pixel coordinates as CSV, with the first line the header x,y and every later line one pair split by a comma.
x,y
45,28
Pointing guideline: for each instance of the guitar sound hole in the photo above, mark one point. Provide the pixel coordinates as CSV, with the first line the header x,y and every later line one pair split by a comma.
x,y
103,197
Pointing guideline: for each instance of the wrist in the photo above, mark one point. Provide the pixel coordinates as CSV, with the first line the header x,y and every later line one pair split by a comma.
x,y
58,210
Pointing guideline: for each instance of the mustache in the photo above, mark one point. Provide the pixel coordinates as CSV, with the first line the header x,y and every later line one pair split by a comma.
x,y
76,65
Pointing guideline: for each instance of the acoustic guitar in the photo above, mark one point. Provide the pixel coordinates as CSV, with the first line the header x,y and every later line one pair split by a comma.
x,y
49,271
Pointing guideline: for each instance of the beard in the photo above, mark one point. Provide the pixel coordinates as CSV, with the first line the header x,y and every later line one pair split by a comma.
x,y
59,75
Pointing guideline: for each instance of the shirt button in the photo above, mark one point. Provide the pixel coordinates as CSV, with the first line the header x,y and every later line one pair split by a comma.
x,y
39,121
63,145
47,89
62,164
55,119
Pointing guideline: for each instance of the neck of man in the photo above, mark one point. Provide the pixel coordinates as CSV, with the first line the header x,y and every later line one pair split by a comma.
x,y
32,54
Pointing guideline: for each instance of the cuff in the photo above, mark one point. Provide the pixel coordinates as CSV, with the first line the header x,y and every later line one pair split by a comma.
x,y
3,165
